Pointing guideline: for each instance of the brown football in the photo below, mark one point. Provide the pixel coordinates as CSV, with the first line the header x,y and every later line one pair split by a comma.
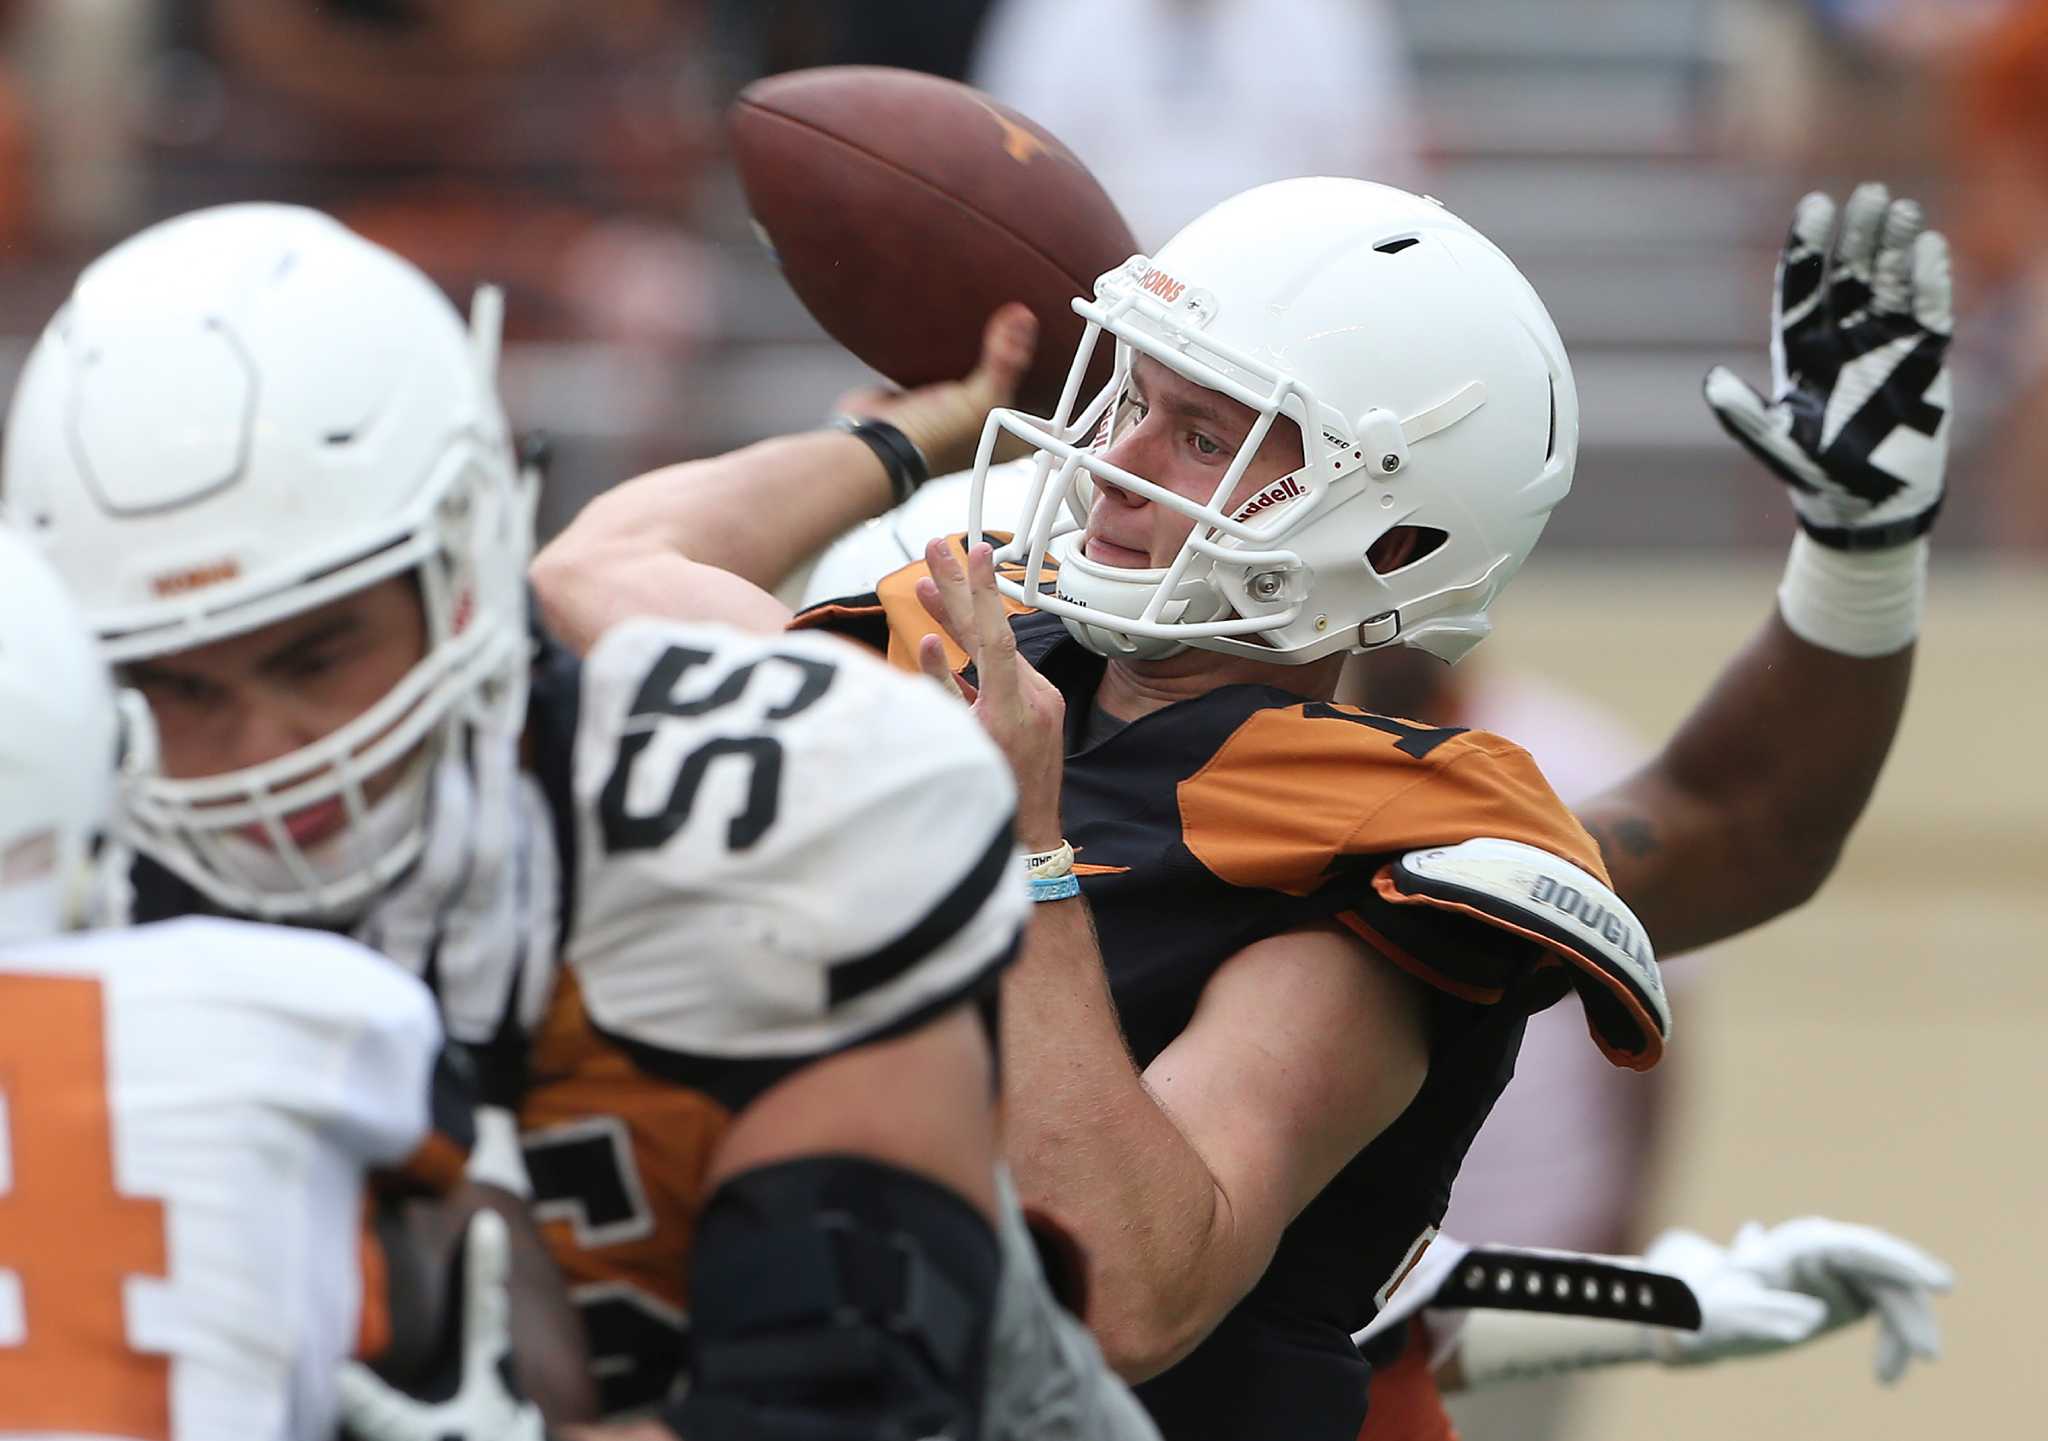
x,y
903,209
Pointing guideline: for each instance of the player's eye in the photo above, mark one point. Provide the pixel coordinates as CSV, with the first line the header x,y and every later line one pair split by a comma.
x,y
1204,446
169,688
307,664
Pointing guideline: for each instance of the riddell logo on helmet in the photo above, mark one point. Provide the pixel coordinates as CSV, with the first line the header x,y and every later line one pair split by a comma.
x,y
1273,495
1161,284
199,577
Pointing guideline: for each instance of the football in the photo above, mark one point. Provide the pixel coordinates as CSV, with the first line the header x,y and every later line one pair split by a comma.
x,y
903,209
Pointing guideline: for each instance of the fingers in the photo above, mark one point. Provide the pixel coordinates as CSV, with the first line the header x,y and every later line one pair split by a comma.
x,y
1906,1330
931,659
1934,298
1763,430
944,595
487,1262
1008,342
1862,231
1786,1317
1736,403
1891,286
1804,264
967,605
995,653
1861,1255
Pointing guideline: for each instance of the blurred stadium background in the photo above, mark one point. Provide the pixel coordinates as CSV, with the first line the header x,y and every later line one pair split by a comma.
x,y
1872,1057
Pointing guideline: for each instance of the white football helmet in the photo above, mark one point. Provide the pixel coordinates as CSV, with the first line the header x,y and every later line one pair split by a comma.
x,y
59,743
243,414
1430,388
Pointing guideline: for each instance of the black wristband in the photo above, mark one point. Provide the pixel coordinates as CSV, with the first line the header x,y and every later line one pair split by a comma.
x,y
1876,537
904,462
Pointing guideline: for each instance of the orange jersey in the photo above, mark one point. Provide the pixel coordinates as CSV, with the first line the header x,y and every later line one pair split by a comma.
x,y
618,1160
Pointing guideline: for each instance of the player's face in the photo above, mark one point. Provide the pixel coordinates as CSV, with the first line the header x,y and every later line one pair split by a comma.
x,y
254,698
1181,436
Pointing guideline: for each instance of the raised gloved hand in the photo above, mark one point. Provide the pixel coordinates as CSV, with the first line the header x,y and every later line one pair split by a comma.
x,y
1858,420
486,1405
1783,1285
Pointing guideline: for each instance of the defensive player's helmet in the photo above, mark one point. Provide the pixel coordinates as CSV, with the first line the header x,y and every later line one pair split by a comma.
x,y
1430,389
243,414
59,734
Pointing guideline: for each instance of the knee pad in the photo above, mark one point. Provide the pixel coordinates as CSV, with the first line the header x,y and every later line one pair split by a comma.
x,y
835,1297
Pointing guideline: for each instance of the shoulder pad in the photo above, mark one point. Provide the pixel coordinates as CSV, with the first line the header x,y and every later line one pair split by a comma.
x,y
1293,790
1563,908
786,848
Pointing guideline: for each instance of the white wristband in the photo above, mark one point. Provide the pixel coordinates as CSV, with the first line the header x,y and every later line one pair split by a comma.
x,y
1050,865
1862,603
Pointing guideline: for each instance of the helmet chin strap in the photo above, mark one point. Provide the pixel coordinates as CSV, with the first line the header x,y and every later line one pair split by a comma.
x,y
1115,645
1097,587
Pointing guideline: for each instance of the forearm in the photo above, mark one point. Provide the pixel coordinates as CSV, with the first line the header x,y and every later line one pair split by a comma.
x,y
1089,1143
1744,813
706,539
759,512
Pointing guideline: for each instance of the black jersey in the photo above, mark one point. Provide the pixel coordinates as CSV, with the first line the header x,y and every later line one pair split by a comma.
x,y
1242,814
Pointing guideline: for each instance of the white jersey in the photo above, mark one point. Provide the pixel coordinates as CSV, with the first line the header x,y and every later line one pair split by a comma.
x,y
187,1112
783,849
786,847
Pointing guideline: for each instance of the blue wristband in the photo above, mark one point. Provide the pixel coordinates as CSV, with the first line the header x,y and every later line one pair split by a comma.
x,y
1058,888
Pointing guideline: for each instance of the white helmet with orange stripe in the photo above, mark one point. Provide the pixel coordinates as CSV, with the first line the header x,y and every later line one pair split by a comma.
x,y
1427,385
239,416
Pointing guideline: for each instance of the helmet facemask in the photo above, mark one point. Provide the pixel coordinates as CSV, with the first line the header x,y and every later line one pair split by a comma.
x,y
299,416
465,556
1242,581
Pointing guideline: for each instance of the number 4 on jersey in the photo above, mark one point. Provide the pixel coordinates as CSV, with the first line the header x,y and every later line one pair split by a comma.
x,y
69,1240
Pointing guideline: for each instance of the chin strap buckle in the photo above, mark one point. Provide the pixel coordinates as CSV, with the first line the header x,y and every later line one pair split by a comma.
x,y
1380,629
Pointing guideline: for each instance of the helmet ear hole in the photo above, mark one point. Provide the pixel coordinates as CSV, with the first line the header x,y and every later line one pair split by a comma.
x,y
1402,547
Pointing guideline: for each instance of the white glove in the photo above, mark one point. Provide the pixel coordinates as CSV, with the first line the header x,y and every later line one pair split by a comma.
x,y
1857,424
1784,1285
484,1407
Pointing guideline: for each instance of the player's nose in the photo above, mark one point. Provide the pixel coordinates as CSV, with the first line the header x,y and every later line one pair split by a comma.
x,y
1127,454
270,732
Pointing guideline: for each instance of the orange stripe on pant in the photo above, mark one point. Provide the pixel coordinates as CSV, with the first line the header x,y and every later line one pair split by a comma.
x,y
1406,1405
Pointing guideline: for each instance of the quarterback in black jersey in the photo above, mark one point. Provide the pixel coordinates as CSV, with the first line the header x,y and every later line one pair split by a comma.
x,y
1338,420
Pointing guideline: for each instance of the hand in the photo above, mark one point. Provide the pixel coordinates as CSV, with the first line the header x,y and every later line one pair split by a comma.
x,y
1019,708
1857,424
485,1406
1853,1270
1783,1286
944,421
